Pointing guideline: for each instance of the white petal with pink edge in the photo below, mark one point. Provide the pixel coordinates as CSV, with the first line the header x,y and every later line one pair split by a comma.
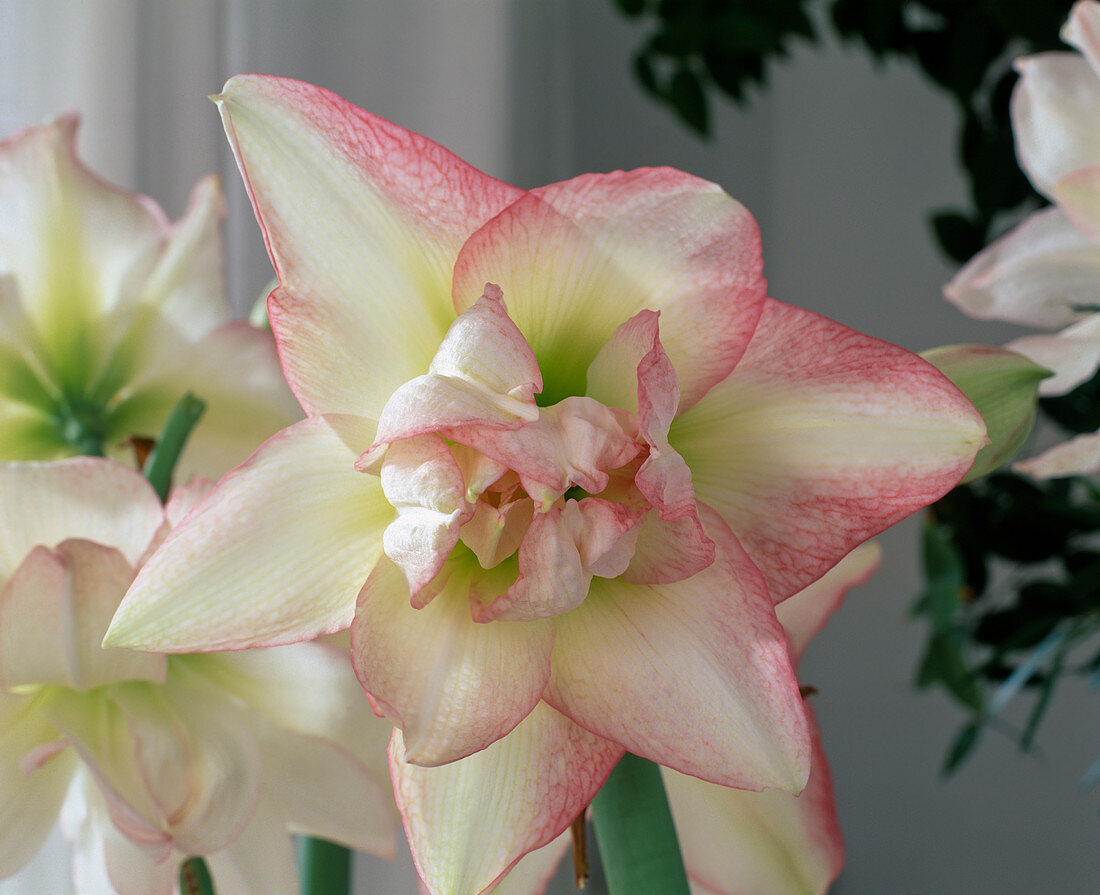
x,y
276,553
84,497
1045,272
693,675
576,259
1077,456
470,821
453,685
30,794
805,614
1072,355
758,843
363,221
53,613
821,438
1054,117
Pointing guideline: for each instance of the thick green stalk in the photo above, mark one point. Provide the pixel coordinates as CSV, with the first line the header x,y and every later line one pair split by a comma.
x,y
634,831
165,454
195,878
325,867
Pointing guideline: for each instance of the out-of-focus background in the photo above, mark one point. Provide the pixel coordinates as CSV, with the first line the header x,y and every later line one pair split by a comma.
x,y
839,160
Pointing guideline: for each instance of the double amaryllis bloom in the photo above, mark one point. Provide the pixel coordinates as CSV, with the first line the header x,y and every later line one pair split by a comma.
x,y
562,457
1046,271
149,758
109,313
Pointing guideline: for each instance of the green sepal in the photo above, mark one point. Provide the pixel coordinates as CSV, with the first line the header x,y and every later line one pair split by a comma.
x,y
1003,386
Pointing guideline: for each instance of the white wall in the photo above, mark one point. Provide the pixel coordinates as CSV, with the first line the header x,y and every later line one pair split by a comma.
x,y
841,164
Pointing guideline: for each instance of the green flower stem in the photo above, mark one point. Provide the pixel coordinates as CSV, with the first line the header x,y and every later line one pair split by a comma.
x,y
635,833
325,867
195,878
166,453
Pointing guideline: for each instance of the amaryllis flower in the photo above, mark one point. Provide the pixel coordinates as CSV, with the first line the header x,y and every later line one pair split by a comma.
x,y
750,843
561,459
150,758
109,313
1046,271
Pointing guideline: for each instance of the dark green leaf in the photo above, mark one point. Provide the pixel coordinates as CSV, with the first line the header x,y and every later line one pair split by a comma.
x,y
965,741
959,237
687,97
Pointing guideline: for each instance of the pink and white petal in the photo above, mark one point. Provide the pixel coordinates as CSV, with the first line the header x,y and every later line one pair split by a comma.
x,y
423,483
1082,30
363,220
235,370
79,246
85,497
805,614
1078,194
535,869
484,373
260,859
468,822
1072,355
30,797
758,843
104,861
693,675
321,790
1045,272
573,442
453,685
820,439
669,551
1077,456
562,550
275,554
612,377
53,613
576,259
495,533
1053,117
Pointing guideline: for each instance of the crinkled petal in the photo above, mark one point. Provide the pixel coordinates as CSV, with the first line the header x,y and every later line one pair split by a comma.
x,y
234,369
574,442
1077,456
820,439
77,247
176,767
1053,117
1045,272
30,795
633,372
276,553
495,533
693,675
363,220
84,497
468,822
453,685
758,843
53,613
805,614
423,483
1072,355
562,550
484,373
576,259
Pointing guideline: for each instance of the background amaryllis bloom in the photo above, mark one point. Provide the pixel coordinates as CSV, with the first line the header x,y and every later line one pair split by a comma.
x,y
562,457
1046,271
151,758
109,313
750,843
